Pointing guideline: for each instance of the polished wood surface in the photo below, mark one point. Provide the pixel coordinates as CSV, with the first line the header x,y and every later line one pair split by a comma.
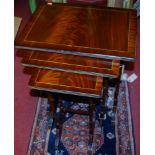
x,y
70,83
81,30
70,63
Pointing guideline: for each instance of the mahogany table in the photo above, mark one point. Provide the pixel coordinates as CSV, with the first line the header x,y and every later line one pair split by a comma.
x,y
81,30
75,49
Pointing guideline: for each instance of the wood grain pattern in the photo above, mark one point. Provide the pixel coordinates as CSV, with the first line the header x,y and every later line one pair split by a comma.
x,y
70,63
82,30
70,83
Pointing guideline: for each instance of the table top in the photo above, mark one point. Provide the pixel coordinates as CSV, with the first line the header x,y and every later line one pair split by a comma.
x,y
99,32
67,83
70,63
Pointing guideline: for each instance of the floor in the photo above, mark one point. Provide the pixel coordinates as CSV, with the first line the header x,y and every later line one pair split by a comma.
x,y
25,103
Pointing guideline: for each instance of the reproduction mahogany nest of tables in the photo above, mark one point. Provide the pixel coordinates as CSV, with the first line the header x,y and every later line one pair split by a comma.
x,y
77,50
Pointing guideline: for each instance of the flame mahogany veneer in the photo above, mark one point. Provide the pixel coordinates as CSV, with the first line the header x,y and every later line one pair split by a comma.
x,y
67,42
70,63
67,83
81,30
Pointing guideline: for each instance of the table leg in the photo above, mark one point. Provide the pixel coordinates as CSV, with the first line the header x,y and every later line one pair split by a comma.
x,y
91,126
59,123
105,94
116,95
52,102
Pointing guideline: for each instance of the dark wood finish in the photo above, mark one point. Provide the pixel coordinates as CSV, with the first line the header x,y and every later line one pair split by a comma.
x,y
70,83
81,30
30,70
91,126
52,104
70,63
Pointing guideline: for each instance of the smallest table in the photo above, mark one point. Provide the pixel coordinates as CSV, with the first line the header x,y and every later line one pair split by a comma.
x,y
74,84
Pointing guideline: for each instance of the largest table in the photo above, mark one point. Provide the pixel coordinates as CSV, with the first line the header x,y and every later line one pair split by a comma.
x,y
81,30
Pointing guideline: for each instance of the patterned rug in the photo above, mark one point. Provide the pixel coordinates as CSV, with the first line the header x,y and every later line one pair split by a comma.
x,y
114,136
